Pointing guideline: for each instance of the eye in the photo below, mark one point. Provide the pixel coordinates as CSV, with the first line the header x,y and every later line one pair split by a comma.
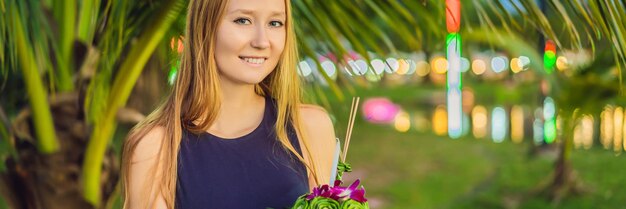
x,y
243,21
276,24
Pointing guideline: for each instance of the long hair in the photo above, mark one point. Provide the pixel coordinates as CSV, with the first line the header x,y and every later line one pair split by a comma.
x,y
194,102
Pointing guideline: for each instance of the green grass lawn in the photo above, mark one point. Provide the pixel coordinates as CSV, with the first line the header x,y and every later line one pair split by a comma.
x,y
421,170
413,170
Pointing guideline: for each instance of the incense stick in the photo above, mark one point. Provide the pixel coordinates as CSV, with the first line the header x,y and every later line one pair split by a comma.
x,y
343,153
353,112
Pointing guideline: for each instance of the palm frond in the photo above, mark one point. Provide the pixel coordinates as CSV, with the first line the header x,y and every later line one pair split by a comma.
x,y
129,71
65,13
87,20
38,97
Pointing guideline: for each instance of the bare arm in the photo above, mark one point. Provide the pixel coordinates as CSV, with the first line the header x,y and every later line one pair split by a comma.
x,y
143,171
321,135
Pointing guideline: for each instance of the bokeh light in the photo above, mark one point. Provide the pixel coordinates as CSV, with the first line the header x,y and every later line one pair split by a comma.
x,y
562,63
453,15
378,65
171,76
403,67
329,68
517,124
479,67
402,122
498,64
606,127
392,65
618,127
524,62
177,44
465,64
455,112
549,116
583,132
624,130
549,56
412,66
422,68
516,66
304,69
479,121
440,121
498,124
439,65
380,110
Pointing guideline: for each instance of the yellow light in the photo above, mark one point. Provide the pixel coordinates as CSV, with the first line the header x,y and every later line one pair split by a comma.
x,y
562,63
479,67
423,68
587,133
606,127
517,124
403,67
578,136
515,65
402,122
618,125
440,65
624,130
583,132
479,122
440,121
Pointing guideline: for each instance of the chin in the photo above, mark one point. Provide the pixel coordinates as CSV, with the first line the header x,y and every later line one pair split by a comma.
x,y
251,81
245,78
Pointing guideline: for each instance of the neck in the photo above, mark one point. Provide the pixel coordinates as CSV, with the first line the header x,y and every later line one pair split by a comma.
x,y
237,97
240,107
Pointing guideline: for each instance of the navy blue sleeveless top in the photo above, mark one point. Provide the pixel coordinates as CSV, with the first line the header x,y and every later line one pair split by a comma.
x,y
252,171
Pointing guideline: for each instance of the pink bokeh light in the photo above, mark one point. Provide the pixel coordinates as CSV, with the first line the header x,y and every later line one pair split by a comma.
x,y
380,110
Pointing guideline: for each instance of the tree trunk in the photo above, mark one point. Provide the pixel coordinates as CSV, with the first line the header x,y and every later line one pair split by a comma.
x,y
34,180
565,181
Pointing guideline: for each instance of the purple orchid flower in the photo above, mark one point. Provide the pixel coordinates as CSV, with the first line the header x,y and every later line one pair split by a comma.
x,y
339,193
316,192
353,193
359,195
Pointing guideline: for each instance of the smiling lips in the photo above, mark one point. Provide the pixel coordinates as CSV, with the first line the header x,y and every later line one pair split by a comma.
x,y
254,60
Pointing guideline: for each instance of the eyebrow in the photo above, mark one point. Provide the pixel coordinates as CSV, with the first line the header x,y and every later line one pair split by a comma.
x,y
249,12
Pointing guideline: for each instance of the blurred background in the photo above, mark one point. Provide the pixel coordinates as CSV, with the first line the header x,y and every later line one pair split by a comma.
x,y
464,104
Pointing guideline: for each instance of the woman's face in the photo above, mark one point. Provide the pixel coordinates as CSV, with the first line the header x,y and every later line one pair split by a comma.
x,y
250,40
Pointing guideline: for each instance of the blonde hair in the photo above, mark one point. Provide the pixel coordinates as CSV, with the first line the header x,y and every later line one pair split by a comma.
x,y
194,102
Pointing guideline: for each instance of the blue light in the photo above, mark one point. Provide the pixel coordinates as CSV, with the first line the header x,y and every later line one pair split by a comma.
x,y
498,125
549,108
455,113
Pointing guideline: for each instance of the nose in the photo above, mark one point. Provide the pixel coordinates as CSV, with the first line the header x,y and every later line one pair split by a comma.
x,y
261,40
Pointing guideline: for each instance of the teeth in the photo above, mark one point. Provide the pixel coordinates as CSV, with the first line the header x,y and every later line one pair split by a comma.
x,y
254,60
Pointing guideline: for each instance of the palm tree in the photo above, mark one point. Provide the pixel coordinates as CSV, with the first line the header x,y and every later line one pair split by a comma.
x,y
77,75
79,60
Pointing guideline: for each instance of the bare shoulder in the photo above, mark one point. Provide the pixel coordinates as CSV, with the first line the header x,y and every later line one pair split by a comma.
x,y
315,116
318,124
148,146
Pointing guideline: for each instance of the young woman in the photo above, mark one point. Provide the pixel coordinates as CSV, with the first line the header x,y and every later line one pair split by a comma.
x,y
233,132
